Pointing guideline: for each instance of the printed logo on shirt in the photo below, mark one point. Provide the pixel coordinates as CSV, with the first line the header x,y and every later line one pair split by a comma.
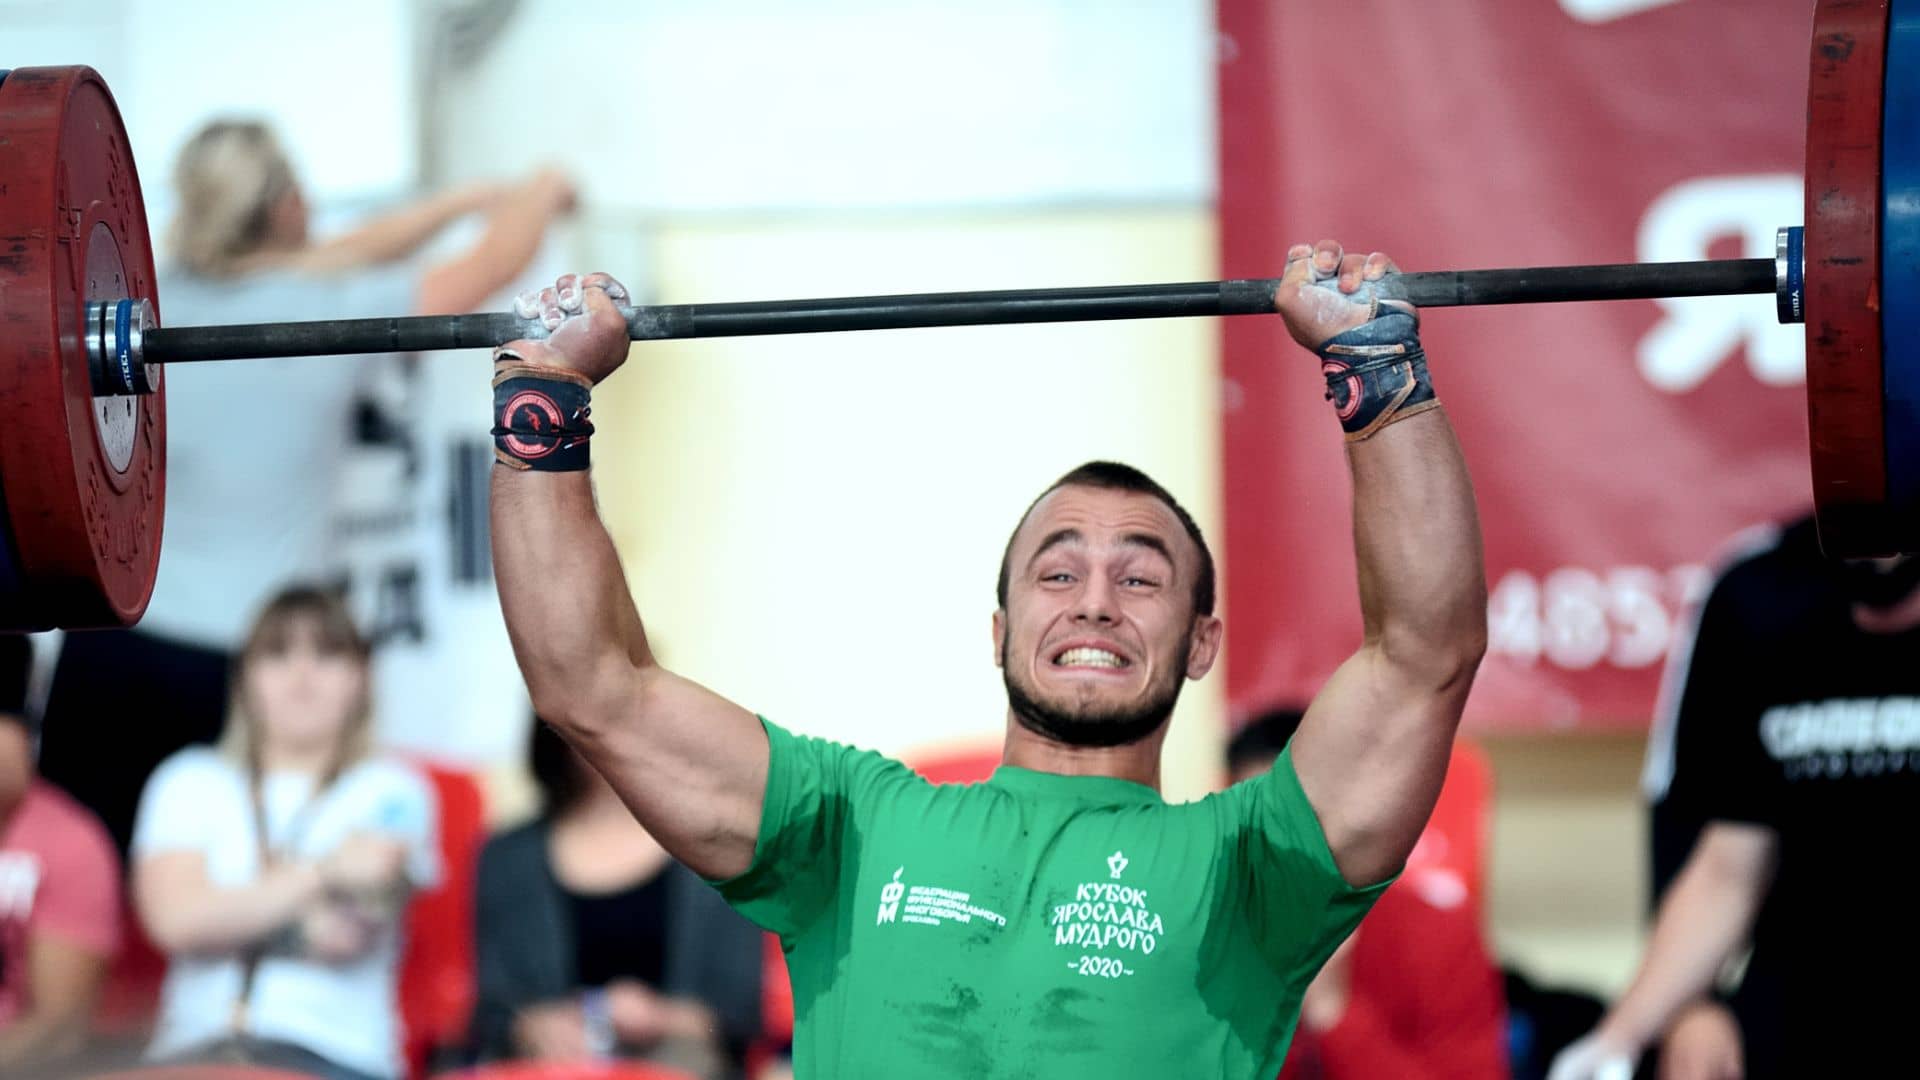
x,y
1844,737
931,905
19,883
890,898
1107,918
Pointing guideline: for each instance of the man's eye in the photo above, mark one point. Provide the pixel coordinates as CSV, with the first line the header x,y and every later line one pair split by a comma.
x,y
1059,576
1139,582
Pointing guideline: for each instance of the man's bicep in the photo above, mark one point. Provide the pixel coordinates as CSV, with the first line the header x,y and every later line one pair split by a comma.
x,y
1371,754
691,765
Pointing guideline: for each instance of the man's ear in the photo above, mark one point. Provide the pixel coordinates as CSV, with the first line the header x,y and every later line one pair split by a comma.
x,y
999,637
1205,647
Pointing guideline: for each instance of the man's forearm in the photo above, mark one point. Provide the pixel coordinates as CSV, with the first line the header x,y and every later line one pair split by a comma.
x,y
1706,916
573,624
1373,748
1423,592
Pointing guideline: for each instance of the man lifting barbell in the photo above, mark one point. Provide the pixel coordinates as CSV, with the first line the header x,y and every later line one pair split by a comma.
x,y
1032,923
83,465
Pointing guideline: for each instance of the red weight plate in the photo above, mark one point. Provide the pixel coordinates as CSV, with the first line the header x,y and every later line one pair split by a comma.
x,y
84,477
1845,405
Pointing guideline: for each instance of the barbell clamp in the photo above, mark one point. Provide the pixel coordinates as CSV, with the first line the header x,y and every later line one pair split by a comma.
x,y
116,340
1790,274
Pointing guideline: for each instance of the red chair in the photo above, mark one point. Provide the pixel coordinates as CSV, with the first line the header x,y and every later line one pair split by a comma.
x,y
967,762
1448,865
437,979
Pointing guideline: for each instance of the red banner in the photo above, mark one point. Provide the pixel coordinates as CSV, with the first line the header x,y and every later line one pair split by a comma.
x,y
1614,446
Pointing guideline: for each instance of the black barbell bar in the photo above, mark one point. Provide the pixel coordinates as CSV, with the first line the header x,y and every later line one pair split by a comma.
x,y
123,343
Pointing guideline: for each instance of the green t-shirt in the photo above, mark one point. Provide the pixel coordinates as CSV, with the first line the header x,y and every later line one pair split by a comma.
x,y
1038,925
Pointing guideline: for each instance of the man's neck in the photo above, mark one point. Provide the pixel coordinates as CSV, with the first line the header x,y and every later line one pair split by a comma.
x,y
1135,761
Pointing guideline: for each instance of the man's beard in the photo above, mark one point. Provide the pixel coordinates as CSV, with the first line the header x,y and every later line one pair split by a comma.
x,y
1093,726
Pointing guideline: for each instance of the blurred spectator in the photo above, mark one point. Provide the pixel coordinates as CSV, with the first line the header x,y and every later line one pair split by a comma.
x,y
1412,992
59,894
1785,773
273,870
594,943
255,451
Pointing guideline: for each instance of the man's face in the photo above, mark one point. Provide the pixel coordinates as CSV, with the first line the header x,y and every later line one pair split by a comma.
x,y
1099,629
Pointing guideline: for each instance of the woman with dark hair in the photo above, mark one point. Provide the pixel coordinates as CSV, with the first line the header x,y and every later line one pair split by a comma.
x,y
594,943
273,869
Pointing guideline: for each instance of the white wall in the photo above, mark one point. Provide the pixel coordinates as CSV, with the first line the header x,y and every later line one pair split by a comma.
x,y
680,105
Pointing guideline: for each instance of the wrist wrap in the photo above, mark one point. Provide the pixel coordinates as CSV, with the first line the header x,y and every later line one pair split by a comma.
x,y
540,416
1377,372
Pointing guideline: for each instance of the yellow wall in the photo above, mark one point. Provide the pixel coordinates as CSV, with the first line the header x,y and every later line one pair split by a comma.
x,y
813,524
1568,875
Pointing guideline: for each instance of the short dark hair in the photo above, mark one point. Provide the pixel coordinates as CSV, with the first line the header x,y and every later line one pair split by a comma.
x,y
1262,739
1113,476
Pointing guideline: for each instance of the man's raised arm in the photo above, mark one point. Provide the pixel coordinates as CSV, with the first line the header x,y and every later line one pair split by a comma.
x,y
690,764
1372,750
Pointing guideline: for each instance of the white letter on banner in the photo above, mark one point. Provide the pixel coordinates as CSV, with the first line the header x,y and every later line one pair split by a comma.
x,y
1700,332
1602,11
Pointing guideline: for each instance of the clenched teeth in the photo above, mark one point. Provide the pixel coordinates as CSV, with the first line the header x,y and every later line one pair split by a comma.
x,y
1085,657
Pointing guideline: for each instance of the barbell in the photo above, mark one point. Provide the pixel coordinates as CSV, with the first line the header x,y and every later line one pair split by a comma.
x,y
83,351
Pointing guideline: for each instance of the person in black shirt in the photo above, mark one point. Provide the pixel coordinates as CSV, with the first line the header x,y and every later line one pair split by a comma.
x,y
594,943
1791,747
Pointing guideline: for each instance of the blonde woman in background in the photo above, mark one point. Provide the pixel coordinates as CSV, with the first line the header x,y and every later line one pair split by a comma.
x,y
273,869
256,450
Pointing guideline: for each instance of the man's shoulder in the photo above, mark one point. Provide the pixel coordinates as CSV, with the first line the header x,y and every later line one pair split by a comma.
x,y
857,763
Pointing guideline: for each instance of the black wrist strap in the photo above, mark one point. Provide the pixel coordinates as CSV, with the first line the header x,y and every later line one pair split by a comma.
x,y
540,416
1377,373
